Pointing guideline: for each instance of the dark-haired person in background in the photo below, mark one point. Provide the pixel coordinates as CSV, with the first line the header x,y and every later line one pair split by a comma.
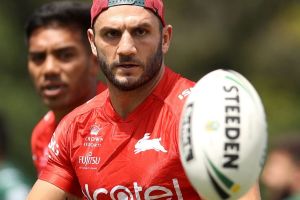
x,y
13,183
61,65
281,174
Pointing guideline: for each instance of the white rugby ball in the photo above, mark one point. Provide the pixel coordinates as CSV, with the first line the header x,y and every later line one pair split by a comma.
x,y
223,135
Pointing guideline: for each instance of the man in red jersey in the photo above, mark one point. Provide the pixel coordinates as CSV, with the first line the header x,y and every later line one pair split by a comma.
x,y
62,66
123,144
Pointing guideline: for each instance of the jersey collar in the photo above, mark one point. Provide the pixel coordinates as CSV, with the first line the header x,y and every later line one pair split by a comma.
x,y
161,91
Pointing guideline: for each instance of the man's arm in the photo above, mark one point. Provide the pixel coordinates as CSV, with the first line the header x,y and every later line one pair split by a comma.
x,y
45,190
252,194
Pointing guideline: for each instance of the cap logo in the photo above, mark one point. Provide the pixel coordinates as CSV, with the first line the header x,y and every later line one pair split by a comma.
x,y
126,2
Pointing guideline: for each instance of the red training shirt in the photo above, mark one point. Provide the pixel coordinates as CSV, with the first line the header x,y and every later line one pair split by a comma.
x,y
96,152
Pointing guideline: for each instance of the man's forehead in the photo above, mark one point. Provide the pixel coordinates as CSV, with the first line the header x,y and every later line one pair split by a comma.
x,y
58,37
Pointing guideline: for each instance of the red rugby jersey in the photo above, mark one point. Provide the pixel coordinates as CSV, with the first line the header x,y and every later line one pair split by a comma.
x,y
42,134
95,152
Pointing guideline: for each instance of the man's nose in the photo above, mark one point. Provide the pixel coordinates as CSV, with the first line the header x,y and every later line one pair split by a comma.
x,y
51,68
50,65
126,45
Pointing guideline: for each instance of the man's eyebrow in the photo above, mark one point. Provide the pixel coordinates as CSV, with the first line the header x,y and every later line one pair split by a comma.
x,y
66,48
145,24
107,28
32,52
139,25
63,48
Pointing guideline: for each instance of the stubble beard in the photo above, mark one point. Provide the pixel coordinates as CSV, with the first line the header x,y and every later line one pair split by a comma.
x,y
151,69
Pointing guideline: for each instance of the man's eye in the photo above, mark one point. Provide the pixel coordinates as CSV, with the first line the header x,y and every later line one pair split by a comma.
x,y
37,58
140,32
65,56
113,34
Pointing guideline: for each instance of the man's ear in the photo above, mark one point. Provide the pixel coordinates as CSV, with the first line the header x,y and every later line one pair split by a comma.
x,y
166,38
91,37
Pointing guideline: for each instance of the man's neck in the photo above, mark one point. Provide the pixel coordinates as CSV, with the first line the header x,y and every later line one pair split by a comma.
x,y
124,102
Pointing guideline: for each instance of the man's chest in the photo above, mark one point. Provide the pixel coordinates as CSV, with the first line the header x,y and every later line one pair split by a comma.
x,y
114,160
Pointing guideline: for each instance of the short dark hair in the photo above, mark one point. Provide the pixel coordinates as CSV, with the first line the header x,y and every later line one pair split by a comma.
x,y
70,14
3,136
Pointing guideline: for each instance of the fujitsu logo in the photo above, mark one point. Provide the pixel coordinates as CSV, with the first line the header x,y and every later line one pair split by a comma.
x,y
89,159
121,192
146,143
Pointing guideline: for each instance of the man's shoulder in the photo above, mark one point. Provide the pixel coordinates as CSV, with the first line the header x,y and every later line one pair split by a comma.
x,y
45,123
179,90
48,118
177,82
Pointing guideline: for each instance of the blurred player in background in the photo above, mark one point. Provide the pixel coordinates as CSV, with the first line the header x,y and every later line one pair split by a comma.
x,y
13,183
281,175
123,144
61,65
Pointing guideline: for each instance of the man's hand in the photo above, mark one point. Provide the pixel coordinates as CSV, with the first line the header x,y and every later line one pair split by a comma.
x,y
252,194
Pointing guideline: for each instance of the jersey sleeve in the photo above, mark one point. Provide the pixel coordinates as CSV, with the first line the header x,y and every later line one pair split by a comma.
x,y
59,170
34,149
40,138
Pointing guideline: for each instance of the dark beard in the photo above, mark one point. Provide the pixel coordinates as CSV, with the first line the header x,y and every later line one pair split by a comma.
x,y
151,67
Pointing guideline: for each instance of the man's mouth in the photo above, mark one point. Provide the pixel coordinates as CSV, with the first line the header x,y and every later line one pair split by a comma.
x,y
127,65
53,90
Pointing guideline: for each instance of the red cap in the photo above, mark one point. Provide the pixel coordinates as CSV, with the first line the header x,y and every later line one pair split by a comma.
x,y
156,6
